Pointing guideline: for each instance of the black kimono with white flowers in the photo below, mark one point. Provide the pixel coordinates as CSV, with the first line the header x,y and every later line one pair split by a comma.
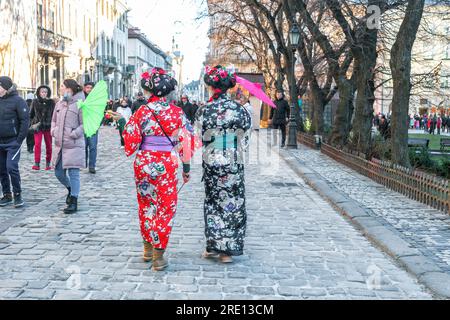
x,y
224,126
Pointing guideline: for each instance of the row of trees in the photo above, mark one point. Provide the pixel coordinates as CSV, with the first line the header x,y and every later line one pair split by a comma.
x,y
341,42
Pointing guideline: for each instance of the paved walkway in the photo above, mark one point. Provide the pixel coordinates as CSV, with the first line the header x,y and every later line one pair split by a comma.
x,y
423,227
297,245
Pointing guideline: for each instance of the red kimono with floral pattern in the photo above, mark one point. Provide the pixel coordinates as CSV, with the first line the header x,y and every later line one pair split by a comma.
x,y
156,171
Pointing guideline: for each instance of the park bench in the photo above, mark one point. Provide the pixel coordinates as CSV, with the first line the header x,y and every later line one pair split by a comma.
x,y
418,142
445,143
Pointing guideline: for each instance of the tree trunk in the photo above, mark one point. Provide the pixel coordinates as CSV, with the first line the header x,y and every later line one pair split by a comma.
x,y
365,61
401,74
344,112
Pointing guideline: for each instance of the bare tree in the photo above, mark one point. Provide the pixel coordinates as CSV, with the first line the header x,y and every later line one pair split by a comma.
x,y
401,73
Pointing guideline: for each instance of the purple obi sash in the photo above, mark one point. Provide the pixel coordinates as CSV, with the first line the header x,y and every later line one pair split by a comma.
x,y
157,143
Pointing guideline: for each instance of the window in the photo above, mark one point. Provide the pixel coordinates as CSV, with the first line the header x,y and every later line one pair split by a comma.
x,y
445,81
76,23
447,52
428,51
40,15
70,20
90,31
52,21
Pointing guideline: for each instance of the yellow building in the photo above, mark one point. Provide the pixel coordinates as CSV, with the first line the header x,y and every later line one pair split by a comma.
x,y
84,40
18,43
51,40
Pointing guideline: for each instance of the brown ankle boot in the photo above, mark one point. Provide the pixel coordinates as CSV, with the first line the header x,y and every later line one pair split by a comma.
x,y
159,263
148,252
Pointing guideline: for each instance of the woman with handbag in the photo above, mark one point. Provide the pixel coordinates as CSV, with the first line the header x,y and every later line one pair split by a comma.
x,y
41,121
160,133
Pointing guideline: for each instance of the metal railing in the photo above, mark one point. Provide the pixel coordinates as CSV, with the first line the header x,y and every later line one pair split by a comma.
x,y
51,41
417,185
108,60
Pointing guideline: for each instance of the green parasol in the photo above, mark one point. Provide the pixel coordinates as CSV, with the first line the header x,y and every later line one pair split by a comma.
x,y
94,108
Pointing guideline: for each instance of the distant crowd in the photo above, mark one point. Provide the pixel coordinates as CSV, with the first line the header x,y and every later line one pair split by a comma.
x,y
432,123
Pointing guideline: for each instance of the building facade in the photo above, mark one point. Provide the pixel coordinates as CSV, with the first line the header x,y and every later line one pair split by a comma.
x,y
430,66
143,55
111,52
52,40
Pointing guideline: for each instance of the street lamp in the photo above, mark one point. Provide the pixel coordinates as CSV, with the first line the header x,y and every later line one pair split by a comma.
x,y
294,39
91,62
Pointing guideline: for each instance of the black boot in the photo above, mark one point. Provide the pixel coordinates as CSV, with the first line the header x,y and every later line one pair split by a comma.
x,y
68,195
72,207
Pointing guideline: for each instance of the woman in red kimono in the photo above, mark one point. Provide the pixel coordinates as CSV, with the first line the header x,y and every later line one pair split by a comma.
x,y
161,133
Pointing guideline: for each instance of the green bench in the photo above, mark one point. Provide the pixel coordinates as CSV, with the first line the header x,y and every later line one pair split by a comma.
x,y
445,143
418,142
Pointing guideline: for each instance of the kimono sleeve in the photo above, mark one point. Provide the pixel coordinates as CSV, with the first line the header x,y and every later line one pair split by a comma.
x,y
189,142
132,133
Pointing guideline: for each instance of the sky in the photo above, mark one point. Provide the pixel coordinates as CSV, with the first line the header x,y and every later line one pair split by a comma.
x,y
160,20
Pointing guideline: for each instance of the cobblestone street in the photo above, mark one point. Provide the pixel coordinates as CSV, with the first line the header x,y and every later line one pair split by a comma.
x,y
297,245
423,227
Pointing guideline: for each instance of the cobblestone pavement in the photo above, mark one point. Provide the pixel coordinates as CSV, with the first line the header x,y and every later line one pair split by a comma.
x,y
423,227
297,245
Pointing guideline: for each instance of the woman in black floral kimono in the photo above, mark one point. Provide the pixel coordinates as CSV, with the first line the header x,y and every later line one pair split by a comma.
x,y
224,126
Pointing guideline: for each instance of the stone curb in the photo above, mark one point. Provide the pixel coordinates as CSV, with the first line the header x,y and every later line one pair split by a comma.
x,y
423,268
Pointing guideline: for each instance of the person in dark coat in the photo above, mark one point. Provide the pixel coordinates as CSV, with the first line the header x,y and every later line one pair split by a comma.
x,y
188,108
433,124
140,101
91,144
41,122
30,135
384,128
279,117
14,124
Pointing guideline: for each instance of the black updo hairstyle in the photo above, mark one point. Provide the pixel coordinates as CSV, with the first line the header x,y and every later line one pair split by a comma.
x,y
158,82
219,78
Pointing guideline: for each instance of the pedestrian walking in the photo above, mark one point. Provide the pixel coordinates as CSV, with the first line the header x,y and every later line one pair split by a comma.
x,y
245,102
224,125
411,121
188,108
125,114
41,121
14,123
432,122
91,144
69,152
140,101
30,135
158,132
416,121
384,128
438,124
279,117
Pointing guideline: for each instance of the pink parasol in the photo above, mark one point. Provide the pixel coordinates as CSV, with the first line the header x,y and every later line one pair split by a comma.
x,y
256,90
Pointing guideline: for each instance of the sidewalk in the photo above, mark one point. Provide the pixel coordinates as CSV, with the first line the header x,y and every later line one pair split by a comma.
x,y
414,234
297,245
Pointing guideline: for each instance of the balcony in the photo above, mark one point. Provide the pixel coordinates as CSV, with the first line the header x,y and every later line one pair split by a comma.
x,y
127,70
108,63
54,44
